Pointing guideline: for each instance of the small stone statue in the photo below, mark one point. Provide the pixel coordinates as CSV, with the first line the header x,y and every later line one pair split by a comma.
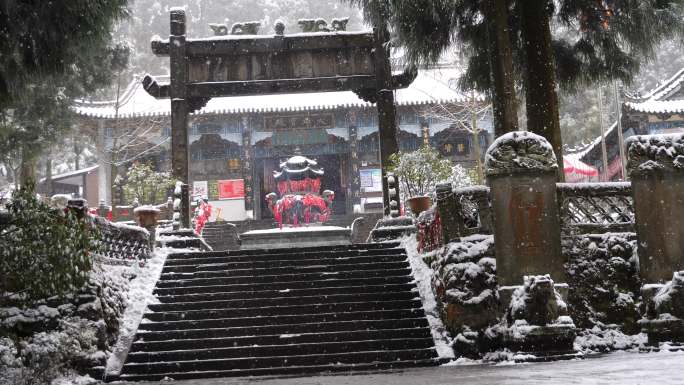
x,y
279,27
340,24
219,29
245,28
320,25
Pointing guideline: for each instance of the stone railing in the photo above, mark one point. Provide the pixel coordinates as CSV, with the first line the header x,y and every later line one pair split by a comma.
x,y
429,227
123,243
595,208
125,213
463,211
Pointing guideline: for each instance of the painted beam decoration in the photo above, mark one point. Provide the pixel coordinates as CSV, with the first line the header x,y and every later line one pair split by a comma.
x,y
320,59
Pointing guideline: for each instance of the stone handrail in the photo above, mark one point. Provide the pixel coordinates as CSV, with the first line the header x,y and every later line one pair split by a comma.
x,y
121,242
429,227
463,211
595,208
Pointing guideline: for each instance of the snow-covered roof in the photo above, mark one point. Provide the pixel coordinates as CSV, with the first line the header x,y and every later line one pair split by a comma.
x,y
64,177
658,106
664,99
430,86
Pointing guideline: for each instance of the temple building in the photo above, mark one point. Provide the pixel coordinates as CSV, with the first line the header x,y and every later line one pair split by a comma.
x,y
235,143
659,111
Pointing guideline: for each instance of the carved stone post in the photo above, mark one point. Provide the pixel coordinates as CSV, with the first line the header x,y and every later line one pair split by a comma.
x,y
387,122
102,209
179,104
521,171
247,166
449,210
656,167
79,207
391,186
354,197
147,217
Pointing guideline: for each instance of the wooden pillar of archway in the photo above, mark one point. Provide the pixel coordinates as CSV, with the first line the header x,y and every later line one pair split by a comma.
x,y
387,112
179,104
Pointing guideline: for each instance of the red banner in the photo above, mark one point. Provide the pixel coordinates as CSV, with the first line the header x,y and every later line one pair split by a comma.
x,y
231,189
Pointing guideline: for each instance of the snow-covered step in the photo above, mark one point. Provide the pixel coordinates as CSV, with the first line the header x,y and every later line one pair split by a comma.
x,y
267,255
279,361
336,281
266,279
279,339
263,311
259,351
282,311
282,371
209,271
259,264
282,298
266,294
408,319
363,247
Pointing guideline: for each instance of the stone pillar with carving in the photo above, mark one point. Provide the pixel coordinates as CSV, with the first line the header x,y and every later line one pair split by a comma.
x,y
247,165
656,167
521,171
354,163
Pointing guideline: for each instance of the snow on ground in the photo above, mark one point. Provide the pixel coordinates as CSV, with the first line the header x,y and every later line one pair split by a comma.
x,y
620,368
296,229
422,274
139,296
74,379
597,339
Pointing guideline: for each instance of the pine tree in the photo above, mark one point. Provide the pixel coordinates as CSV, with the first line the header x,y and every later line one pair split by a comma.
x,y
44,38
47,62
608,39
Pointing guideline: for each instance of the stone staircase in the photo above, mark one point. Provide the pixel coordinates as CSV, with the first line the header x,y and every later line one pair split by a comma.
x,y
282,312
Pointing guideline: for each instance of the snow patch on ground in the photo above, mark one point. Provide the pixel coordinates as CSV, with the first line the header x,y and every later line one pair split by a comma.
x,y
296,229
602,339
139,296
74,379
422,273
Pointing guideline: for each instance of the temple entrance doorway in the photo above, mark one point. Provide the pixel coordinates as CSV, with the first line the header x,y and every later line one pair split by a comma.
x,y
335,179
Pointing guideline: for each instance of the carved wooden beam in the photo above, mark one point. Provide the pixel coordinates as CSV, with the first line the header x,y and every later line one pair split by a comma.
x,y
239,45
362,85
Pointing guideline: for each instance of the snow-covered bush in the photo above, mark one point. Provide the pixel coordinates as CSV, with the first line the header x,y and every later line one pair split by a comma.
x,y
43,251
419,171
459,177
48,355
144,184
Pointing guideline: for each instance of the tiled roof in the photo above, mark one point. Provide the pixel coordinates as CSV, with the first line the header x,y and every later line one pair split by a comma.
x,y
430,86
660,100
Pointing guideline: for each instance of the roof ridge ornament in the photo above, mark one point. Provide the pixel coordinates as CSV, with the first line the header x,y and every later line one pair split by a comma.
x,y
240,28
320,25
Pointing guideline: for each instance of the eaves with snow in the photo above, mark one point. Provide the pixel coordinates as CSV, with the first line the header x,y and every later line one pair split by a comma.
x,y
668,98
430,87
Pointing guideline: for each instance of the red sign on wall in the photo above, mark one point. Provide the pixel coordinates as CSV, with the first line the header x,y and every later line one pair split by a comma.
x,y
231,189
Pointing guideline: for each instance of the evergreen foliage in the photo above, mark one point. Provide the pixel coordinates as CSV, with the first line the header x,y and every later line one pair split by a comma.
x,y
51,52
44,38
419,171
44,252
145,185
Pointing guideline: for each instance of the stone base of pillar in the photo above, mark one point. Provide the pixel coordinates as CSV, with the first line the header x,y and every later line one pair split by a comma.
x,y
392,229
663,309
536,323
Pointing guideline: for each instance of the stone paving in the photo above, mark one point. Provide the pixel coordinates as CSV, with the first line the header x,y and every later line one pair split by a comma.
x,y
615,368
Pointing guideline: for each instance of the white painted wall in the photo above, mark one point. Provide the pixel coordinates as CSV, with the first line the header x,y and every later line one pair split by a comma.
x,y
231,210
